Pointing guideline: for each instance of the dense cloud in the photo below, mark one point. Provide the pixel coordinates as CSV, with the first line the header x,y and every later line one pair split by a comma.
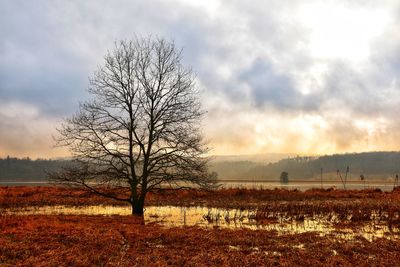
x,y
276,76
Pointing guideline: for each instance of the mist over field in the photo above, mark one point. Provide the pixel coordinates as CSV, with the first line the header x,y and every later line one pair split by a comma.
x,y
381,166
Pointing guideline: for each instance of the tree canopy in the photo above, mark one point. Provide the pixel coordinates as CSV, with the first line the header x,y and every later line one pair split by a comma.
x,y
142,128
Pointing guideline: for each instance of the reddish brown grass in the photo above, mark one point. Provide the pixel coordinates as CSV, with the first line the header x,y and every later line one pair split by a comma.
x,y
124,241
20,196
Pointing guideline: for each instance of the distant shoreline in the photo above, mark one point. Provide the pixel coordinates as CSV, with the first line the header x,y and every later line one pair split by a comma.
x,y
301,185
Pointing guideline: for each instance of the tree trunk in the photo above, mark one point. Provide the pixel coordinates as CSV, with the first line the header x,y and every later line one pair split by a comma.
x,y
137,208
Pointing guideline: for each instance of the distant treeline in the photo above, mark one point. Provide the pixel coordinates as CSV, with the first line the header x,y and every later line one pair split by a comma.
x,y
373,165
25,169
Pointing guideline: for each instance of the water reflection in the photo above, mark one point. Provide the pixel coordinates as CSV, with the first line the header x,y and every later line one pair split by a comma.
x,y
173,216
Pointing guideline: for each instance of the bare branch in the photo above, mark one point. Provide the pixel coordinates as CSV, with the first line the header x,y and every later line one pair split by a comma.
x,y
141,130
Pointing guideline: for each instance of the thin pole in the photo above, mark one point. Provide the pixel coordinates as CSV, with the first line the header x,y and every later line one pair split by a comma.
x,y
345,178
340,175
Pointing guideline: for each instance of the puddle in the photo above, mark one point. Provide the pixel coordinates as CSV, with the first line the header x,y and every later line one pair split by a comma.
x,y
173,216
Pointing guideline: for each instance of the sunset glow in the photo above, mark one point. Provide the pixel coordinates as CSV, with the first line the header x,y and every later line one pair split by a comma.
x,y
308,77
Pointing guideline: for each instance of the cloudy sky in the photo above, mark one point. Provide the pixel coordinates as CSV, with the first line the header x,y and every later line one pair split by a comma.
x,y
309,77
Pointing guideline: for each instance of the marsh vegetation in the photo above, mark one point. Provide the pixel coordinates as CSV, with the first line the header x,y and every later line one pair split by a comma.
x,y
231,226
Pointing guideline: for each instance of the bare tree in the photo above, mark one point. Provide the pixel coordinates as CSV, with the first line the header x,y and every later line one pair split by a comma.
x,y
141,130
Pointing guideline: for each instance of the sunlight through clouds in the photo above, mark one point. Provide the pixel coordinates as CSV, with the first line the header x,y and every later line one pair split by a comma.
x,y
308,77
342,31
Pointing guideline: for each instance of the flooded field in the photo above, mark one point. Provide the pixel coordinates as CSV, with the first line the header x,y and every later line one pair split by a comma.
x,y
282,222
238,227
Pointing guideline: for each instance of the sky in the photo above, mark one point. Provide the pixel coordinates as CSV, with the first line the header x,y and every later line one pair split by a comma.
x,y
307,77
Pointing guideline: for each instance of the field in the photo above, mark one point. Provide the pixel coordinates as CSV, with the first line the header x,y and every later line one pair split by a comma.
x,y
351,228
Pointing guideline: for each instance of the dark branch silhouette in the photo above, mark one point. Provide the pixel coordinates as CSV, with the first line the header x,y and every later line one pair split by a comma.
x,y
142,130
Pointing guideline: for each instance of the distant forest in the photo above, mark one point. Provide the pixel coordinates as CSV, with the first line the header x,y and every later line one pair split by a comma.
x,y
26,169
373,165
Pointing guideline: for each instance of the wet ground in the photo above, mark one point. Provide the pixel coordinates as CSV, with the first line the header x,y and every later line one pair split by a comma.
x,y
174,216
56,226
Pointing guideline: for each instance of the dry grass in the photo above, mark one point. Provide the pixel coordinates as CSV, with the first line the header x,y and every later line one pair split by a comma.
x,y
20,196
124,241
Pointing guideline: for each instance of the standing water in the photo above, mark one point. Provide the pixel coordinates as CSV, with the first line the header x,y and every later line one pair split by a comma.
x,y
173,216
